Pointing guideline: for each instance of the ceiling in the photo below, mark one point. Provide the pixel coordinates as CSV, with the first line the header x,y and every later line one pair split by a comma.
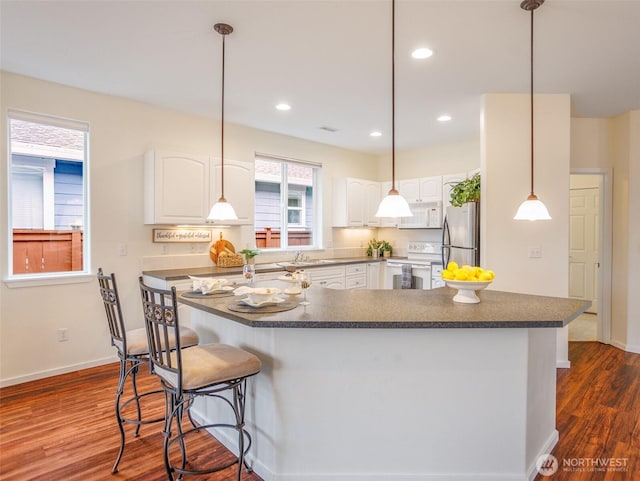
x,y
331,60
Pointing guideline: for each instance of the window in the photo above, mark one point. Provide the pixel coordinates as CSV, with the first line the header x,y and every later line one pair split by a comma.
x,y
286,205
48,208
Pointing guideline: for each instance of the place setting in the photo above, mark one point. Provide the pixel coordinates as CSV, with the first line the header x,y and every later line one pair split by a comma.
x,y
265,299
209,287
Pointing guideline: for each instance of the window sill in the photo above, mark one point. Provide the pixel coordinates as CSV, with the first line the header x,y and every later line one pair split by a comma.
x,y
48,280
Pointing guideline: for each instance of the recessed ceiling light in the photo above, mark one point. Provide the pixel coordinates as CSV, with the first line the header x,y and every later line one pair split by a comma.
x,y
283,106
444,118
375,133
421,53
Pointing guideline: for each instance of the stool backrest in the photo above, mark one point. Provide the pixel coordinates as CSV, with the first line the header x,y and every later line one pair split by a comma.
x,y
160,309
109,294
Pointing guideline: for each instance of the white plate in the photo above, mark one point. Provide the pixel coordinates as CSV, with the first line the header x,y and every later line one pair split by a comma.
x,y
293,291
271,302
221,289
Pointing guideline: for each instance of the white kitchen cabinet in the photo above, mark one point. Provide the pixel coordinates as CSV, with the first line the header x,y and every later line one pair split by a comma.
x,y
371,202
422,190
176,188
356,276
239,188
348,210
373,275
180,188
330,277
355,202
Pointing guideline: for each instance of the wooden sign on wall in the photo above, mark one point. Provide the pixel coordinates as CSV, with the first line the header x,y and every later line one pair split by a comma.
x,y
182,235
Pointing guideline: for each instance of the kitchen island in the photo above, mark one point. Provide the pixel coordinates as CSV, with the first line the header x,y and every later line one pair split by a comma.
x,y
396,385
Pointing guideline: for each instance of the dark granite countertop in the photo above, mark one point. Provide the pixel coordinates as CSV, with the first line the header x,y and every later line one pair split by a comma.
x,y
213,271
362,308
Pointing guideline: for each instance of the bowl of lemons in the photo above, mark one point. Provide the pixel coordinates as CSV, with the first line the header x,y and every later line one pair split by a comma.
x,y
467,279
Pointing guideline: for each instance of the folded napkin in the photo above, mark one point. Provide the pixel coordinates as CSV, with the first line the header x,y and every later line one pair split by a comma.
x,y
242,290
205,285
406,276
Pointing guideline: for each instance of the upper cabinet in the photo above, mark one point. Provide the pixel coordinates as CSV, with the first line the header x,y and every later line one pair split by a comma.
x,y
180,188
239,188
423,190
176,188
355,202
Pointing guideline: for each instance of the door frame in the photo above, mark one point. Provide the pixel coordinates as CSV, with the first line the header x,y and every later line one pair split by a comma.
x,y
605,209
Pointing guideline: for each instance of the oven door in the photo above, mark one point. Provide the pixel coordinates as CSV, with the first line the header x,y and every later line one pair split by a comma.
x,y
420,276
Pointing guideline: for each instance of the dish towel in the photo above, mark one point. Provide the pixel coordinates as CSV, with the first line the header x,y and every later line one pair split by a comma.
x,y
406,276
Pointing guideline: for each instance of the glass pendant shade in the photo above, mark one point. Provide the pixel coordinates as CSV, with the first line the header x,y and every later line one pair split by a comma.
x,y
532,209
394,205
222,210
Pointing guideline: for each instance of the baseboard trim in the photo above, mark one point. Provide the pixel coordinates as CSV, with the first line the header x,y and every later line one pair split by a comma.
x,y
546,449
55,372
563,364
625,347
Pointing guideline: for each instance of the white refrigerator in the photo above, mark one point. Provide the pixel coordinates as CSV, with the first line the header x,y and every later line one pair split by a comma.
x,y
461,235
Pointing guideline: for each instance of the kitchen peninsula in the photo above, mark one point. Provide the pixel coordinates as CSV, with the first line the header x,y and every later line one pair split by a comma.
x,y
396,385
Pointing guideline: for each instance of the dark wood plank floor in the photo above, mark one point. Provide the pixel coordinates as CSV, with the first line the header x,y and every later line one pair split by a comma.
x,y
63,427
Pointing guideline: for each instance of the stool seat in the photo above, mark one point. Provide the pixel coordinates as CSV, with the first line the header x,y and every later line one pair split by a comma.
x,y
137,344
209,364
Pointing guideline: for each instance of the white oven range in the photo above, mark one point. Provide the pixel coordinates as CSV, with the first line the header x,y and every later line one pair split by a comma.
x,y
426,267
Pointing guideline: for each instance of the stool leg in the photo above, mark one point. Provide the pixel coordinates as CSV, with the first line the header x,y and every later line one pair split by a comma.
x,y
121,380
134,375
238,408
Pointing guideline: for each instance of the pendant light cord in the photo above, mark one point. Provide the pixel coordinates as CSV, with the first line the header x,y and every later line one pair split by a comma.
x,y
393,94
531,100
222,125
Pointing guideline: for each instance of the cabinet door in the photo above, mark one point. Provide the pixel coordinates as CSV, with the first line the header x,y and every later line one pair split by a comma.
x,y
431,189
371,201
410,190
355,202
239,188
373,275
176,188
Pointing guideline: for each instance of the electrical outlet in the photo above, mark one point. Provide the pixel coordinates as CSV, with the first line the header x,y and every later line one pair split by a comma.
x,y
63,334
163,248
535,252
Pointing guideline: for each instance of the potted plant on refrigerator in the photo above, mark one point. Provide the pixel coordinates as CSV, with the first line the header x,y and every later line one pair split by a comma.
x,y
467,190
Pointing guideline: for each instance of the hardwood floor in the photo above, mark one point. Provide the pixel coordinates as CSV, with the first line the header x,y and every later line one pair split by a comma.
x,y
63,428
598,414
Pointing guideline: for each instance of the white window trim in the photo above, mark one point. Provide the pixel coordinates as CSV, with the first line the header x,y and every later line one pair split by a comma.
x,y
49,278
284,192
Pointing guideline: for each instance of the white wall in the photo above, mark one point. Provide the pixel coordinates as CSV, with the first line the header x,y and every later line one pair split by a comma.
x,y
614,144
121,131
505,169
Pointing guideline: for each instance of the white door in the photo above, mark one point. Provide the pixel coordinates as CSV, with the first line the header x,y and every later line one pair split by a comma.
x,y
583,245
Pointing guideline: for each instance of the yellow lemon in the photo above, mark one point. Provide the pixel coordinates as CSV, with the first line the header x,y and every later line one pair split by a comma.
x,y
461,275
447,275
452,266
485,276
491,274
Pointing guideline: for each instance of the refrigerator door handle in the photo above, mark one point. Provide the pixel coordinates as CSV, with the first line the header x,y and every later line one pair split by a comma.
x,y
446,252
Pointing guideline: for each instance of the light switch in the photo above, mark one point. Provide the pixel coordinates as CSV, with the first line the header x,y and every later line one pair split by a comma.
x,y
535,252
122,249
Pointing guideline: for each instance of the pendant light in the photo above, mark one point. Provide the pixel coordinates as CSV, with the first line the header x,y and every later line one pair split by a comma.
x,y
532,208
222,210
393,205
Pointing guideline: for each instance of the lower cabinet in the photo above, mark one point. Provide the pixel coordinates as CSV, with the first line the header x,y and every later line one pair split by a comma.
x,y
330,277
373,275
356,276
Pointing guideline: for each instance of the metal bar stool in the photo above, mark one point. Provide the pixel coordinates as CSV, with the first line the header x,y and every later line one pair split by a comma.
x,y
204,370
132,350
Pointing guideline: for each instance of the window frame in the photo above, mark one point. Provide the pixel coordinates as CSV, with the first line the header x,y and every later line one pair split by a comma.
x,y
316,184
61,277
